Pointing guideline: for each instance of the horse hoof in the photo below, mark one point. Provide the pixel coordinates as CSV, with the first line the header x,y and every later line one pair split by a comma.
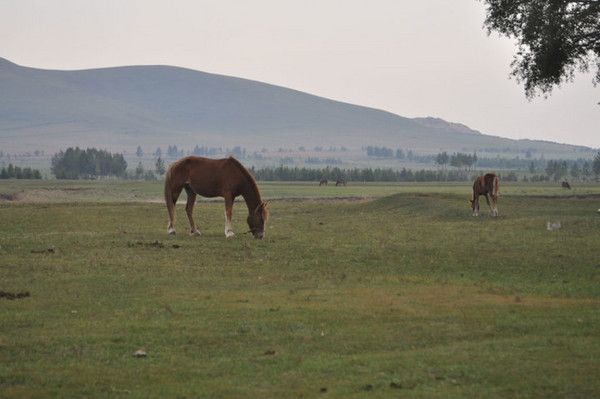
x,y
229,234
171,232
195,233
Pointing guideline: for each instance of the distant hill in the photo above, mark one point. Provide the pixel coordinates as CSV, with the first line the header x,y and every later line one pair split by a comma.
x,y
119,108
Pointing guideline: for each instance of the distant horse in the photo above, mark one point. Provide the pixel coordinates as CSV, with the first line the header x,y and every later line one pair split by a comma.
x,y
565,184
340,182
485,185
323,182
225,178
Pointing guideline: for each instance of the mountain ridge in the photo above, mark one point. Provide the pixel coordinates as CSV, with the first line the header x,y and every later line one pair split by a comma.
x,y
160,104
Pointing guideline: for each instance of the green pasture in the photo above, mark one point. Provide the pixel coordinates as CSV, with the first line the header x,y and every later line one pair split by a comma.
x,y
400,294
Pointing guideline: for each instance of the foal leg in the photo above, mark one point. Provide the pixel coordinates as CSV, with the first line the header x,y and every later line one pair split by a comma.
x,y
495,203
189,209
228,215
171,201
476,206
490,204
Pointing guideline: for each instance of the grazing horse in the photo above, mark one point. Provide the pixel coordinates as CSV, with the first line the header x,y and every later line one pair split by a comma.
x,y
565,184
323,182
225,178
485,185
340,182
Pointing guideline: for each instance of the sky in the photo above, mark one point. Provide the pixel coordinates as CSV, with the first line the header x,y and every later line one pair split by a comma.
x,y
412,58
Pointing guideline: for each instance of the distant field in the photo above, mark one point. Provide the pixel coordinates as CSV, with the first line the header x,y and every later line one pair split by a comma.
x,y
143,191
402,294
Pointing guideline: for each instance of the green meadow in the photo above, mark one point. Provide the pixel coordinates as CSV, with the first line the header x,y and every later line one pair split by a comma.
x,y
366,291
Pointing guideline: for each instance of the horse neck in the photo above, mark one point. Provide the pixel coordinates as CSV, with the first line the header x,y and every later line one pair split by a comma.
x,y
251,195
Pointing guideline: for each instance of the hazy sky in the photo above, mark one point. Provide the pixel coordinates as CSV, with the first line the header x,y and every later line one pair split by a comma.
x,y
413,58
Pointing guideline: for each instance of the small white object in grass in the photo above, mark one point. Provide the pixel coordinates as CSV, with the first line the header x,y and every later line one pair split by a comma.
x,y
550,226
140,353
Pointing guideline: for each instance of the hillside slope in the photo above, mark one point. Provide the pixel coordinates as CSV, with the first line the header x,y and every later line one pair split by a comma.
x,y
122,107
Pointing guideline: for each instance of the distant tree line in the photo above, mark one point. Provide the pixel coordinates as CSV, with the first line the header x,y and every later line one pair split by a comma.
x,y
15,172
399,153
77,163
323,161
284,173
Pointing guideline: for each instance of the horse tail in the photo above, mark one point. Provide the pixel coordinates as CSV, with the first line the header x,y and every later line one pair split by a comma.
x,y
168,189
170,199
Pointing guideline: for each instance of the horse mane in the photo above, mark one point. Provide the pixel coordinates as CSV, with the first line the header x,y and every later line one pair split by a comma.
x,y
245,172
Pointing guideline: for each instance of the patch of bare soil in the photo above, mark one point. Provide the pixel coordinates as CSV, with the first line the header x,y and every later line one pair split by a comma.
x,y
12,296
50,250
10,197
568,197
324,200
150,244
45,194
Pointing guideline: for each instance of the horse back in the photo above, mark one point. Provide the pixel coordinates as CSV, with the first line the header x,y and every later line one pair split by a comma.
x,y
206,177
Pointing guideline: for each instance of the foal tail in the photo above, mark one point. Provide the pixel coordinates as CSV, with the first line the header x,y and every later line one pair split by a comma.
x,y
496,185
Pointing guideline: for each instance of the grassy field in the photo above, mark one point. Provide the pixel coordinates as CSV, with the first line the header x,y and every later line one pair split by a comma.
x,y
53,191
401,294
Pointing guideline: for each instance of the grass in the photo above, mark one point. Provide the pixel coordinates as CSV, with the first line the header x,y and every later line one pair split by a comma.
x,y
404,295
111,191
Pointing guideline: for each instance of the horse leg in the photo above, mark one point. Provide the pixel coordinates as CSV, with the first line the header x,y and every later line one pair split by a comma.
x,y
171,199
189,209
228,215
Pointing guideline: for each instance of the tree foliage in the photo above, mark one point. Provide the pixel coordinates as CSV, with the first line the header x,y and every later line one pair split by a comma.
x,y
15,172
76,163
596,165
555,39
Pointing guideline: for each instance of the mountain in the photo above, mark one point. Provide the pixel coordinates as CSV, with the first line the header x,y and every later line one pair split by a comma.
x,y
121,107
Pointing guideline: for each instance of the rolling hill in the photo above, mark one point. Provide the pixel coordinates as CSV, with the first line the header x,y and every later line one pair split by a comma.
x,y
119,108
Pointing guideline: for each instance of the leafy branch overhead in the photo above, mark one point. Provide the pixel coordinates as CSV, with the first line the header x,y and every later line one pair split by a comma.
x,y
555,39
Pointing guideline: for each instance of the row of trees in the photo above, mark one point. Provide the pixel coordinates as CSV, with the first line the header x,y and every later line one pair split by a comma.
x,y
284,173
76,163
386,152
15,172
201,151
457,160
557,170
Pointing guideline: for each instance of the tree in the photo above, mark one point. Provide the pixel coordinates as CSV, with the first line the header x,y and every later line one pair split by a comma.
x,y
586,172
139,171
75,163
575,171
159,166
596,165
442,159
139,152
555,39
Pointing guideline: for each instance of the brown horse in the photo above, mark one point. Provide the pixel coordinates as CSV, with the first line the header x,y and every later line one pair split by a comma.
x,y
323,182
485,185
225,178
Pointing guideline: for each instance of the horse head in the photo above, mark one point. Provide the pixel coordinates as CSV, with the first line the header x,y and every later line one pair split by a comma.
x,y
257,220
